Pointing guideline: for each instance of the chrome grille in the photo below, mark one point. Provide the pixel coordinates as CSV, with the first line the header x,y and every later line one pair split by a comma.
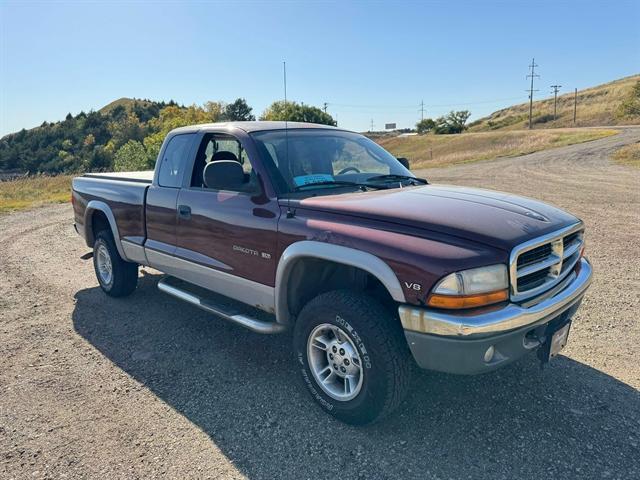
x,y
541,263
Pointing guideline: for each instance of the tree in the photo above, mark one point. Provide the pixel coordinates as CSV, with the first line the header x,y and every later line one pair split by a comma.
x,y
296,112
425,125
172,117
131,157
215,111
126,128
453,122
238,111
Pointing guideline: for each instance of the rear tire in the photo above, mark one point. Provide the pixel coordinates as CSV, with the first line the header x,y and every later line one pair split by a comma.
x,y
334,333
117,277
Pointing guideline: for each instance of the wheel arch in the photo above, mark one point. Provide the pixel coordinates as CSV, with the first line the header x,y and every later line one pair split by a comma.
x,y
91,214
335,254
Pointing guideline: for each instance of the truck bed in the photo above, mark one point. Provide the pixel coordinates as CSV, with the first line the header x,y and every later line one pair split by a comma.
x,y
121,193
142,177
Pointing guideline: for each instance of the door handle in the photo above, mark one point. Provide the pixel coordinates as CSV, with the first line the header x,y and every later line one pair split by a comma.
x,y
184,211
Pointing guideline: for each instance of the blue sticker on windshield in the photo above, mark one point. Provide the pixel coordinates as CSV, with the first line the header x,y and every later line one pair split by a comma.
x,y
311,179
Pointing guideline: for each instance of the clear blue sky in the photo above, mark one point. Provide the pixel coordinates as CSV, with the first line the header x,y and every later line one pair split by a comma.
x,y
368,60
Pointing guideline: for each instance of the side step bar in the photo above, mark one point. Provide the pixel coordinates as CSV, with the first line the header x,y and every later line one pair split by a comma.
x,y
259,326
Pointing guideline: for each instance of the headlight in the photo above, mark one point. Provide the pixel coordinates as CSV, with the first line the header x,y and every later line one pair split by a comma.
x,y
471,288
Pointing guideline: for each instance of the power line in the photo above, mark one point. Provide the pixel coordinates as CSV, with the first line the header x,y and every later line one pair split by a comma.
x,y
532,75
434,105
556,88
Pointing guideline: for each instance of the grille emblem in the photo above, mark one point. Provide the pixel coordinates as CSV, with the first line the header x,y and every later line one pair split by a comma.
x,y
557,248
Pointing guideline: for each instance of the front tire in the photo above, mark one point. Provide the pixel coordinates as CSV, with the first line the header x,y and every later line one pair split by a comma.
x,y
117,277
354,359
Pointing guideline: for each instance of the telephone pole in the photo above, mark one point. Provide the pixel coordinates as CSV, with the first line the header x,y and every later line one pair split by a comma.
x,y
575,104
532,75
555,99
324,107
421,110
371,125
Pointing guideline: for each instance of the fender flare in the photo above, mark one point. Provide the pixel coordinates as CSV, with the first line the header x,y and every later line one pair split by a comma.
x,y
334,253
92,206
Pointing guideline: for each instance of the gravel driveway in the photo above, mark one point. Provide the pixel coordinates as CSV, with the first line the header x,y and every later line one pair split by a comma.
x,y
146,387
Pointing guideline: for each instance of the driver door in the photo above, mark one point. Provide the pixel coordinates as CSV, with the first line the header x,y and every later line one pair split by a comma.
x,y
228,236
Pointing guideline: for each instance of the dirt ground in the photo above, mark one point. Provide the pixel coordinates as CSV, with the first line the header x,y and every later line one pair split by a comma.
x,y
148,387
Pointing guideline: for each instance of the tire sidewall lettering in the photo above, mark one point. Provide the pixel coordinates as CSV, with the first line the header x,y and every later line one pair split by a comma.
x,y
366,360
311,385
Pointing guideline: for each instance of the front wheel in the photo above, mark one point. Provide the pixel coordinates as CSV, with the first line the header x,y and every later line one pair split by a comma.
x,y
353,356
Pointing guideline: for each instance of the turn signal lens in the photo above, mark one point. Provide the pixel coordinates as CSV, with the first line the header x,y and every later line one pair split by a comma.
x,y
467,301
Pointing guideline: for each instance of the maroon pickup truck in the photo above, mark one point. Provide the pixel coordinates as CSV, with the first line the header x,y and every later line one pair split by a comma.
x,y
319,230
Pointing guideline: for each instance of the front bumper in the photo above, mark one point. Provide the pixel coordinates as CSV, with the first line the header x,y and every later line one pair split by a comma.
x,y
457,342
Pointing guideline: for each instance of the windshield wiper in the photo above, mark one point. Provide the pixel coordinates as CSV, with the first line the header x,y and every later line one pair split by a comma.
x,y
338,183
393,176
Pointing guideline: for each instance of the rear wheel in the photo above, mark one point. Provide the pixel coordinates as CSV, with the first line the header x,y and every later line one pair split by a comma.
x,y
116,276
354,359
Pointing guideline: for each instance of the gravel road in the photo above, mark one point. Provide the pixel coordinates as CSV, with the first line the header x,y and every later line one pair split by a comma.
x,y
148,387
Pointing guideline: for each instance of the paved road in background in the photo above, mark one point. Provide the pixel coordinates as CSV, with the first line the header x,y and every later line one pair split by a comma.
x,y
147,387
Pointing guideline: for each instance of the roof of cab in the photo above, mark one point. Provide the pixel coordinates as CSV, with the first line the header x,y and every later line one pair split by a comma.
x,y
249,127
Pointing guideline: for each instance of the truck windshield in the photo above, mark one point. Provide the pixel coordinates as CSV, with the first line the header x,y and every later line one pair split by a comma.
x,y
311,159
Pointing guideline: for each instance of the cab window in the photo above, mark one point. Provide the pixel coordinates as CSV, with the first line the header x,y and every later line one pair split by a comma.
x,y
174,160
216,147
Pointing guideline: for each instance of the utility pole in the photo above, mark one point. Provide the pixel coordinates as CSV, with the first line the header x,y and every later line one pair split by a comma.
x,y
422,110
371,125
325,107
575,104
555,99
531,90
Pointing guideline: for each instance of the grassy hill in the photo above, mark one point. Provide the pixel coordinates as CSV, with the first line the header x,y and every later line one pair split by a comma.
x,y
597,106
426,151
128,103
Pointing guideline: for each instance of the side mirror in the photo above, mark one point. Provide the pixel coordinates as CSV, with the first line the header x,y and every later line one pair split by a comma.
x,y
223,175
404,162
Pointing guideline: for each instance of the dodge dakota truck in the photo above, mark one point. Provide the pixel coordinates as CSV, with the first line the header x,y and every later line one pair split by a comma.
x,y
317,230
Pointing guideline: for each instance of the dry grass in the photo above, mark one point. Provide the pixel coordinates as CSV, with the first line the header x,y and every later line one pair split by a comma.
x,y
30,192
628,155
597,106
425,151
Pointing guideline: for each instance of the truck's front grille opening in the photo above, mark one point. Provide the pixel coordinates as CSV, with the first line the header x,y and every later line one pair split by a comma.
x,y
540,264
534,256
533,280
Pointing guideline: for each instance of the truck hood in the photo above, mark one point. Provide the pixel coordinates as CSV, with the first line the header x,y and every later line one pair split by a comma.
x,y
497,219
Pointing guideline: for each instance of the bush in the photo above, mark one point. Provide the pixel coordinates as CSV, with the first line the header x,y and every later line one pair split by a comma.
x,y
425,125
547,117
453,122
132,156
631,105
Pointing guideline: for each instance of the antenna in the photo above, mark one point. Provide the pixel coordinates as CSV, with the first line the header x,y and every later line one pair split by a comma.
x,y
290,213
284,72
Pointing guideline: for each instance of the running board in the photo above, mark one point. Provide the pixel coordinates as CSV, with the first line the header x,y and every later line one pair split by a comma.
x,y
253,324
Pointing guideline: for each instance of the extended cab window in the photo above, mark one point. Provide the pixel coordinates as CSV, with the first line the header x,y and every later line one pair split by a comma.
x,y
216,147
174,160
